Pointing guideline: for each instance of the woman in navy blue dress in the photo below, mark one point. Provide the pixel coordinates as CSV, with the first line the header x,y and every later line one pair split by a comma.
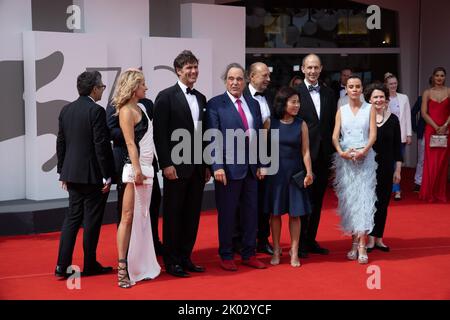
x,y
283,195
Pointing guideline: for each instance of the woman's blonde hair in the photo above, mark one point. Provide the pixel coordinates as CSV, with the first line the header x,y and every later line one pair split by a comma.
x,y
127,84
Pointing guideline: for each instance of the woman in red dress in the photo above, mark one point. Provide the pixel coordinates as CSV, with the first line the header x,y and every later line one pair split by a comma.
x,y
436,113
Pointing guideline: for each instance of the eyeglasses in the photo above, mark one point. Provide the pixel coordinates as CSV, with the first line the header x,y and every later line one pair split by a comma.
x,y
102,86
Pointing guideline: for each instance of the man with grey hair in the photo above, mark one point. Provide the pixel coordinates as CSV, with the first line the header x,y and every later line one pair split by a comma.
x,y
235,181
85,167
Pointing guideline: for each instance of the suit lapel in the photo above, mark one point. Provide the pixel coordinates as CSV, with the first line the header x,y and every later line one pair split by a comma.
x,y
309,100
184,106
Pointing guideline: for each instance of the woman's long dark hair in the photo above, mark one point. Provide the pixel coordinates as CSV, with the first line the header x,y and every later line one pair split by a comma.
x,y
280,102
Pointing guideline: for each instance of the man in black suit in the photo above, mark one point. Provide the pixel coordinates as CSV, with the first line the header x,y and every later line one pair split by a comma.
x,y
85,165
120,152
318,109
259,76
181,108
339,87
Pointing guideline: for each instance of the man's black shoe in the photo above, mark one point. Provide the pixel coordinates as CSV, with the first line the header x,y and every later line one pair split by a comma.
x,y
97,270
177,271
189,266
302,253
61,272
315,248
264,247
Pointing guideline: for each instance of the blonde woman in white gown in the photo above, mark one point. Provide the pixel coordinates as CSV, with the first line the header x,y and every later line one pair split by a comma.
x,y
354,134
137,258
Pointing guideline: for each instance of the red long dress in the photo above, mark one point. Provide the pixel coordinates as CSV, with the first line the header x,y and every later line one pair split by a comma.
x,y
435,166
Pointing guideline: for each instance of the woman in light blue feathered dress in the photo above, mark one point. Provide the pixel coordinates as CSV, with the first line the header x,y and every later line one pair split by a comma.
x,y
354,134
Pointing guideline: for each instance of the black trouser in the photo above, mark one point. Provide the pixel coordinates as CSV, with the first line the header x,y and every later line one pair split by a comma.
x,y
87,206
154,207
310,223
182,201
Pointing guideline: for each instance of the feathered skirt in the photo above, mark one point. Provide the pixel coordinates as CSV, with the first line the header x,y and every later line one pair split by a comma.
x,y
354,185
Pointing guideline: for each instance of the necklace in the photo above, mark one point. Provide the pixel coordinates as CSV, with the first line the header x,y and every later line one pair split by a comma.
x,y
287,121
382,118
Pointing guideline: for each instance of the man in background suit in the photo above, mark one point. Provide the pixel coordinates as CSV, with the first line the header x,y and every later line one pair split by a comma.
x,y
235,177
85,165
259,80
318,109
120,152
181,107
339,87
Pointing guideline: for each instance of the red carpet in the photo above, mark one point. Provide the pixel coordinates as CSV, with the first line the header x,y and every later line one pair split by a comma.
x,y
416,268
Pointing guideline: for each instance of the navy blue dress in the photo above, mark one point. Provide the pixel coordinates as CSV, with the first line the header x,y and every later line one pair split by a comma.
x,y
282,194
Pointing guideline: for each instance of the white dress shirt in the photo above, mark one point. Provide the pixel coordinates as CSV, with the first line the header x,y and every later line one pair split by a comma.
x,y
192,102
247,112
265,110
315,96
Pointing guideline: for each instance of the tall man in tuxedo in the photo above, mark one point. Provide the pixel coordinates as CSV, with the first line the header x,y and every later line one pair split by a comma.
x,y
259,76
318,109
85,166
235,176
120,152
181,107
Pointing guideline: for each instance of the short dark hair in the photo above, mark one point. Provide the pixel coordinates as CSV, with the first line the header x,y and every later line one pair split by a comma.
x,y
232,65
185,57
280,101
375,86
87,81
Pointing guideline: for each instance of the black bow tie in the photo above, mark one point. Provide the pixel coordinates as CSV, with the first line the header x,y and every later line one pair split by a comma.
x,y
313,88
262,94
189,90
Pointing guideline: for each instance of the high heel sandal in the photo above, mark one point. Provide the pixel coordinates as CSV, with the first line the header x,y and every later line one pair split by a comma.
x,y
353,253
276,256
362,257
122,275
295,262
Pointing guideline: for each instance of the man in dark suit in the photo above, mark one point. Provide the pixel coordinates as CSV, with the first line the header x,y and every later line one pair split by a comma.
x,y
339,86
120,152
180,109
234,173
318,109
85,165
259,76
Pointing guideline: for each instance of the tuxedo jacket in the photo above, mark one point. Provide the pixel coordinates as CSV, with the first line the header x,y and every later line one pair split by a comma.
x,y
320,130
82,146
171,112
268,95
221,114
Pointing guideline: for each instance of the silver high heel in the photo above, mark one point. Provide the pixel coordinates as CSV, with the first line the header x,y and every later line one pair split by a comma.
x,y
295,262
353,253
362,257
276,256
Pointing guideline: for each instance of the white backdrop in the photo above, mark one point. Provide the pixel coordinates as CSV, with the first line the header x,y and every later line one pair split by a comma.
x,y
80,51
160,52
